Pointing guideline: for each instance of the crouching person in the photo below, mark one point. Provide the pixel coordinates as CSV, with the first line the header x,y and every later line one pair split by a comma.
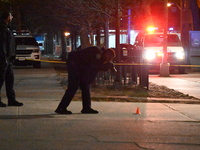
x,y
83,66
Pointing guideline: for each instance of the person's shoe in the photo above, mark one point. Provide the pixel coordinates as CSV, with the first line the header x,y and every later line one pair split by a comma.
x,y
63,111
2,104
89,111
15,103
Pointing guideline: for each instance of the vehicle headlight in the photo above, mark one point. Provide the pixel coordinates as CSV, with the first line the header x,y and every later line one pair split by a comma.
x,y
160,54
149,55
180,55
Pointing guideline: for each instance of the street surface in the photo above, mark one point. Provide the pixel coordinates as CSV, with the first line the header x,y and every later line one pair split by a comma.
x,y
35,126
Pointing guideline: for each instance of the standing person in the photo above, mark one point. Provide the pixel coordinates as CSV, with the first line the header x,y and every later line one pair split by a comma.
x,y
83,66
7,56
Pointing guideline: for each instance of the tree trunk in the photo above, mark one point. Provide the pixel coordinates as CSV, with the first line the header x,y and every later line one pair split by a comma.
x,y
84,37
98,39
49,42
106,34
63,44
195,15
118,57
19,24
91,37
187,20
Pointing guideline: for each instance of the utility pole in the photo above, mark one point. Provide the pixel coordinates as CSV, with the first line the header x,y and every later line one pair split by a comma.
x,y
164,66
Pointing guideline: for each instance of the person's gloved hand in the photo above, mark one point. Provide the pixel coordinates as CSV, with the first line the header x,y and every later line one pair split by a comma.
x,y
113,69
108,66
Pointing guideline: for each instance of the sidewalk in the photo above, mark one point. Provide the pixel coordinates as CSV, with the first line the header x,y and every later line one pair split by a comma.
x,y
183,83
35,126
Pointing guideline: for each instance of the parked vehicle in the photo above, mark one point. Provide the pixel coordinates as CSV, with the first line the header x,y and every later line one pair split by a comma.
x,y
152,46
27,51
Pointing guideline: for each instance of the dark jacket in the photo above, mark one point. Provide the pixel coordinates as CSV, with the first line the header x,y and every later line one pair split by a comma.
x,y
89,62
90,57
7,43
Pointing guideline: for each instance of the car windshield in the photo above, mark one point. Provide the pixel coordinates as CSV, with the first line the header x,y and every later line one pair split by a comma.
x,y
157,40
26,41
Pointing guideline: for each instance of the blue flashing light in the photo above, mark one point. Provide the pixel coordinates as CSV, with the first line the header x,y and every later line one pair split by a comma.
x,y
171,29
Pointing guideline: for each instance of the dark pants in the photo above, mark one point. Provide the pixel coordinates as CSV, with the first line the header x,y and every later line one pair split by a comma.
x,y
78,77
7,75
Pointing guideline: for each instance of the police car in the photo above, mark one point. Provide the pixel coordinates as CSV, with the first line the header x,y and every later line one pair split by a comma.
x,y
151,43
27,50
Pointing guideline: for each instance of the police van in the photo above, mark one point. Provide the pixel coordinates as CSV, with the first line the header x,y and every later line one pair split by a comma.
x,y
152,46
27,50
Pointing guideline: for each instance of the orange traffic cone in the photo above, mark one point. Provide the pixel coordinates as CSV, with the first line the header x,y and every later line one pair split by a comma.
x,y
138,111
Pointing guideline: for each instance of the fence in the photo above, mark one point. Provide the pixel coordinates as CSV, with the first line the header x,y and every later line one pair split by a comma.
x,y
129,75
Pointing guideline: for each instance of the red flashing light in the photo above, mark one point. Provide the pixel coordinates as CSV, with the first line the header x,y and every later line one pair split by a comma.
x,y
151,29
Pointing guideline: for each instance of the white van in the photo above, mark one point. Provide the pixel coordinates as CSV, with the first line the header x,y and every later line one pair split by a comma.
x,y
152,46
27,51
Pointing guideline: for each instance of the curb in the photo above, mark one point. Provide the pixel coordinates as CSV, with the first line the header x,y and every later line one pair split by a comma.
x,y
143,99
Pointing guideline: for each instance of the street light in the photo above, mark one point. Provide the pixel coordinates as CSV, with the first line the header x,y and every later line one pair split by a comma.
x,y
170,4
181,9
67,34
181,12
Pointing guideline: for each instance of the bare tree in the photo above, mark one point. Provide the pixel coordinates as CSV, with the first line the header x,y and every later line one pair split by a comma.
x,y
83,17
86,15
